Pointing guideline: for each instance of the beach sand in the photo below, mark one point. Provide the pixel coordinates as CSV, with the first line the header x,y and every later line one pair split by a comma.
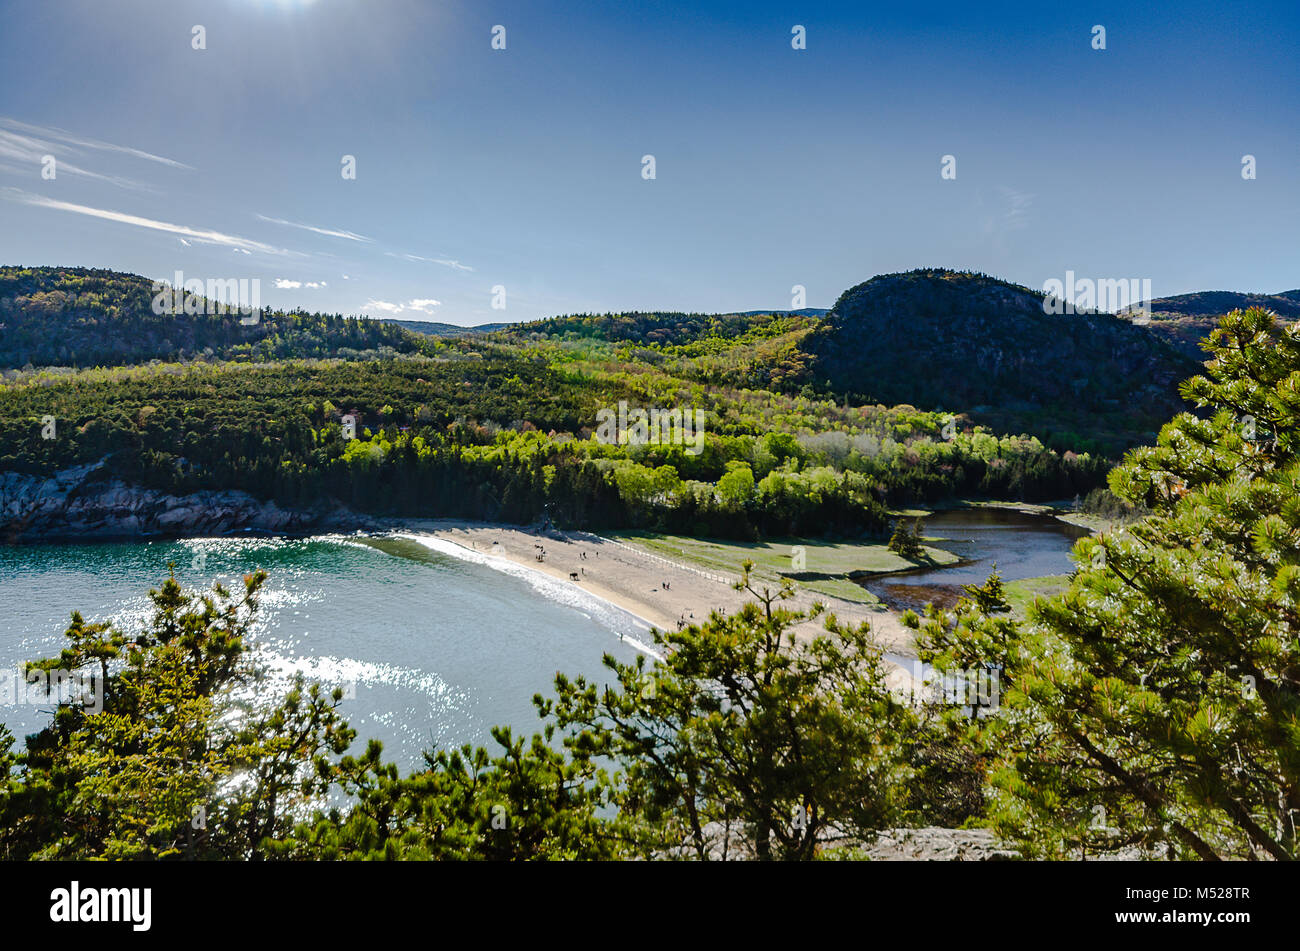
x,y
634,579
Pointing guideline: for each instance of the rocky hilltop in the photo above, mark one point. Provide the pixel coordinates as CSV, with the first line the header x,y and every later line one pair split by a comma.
x,y
85,502
954,340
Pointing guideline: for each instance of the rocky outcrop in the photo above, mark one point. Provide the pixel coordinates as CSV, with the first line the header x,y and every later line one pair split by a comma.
x,y
938,845
88,502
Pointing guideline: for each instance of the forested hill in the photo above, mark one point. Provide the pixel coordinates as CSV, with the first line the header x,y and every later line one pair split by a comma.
x,y
1186,319
433,328
935,339
957,340
665,328
1218,303
82,317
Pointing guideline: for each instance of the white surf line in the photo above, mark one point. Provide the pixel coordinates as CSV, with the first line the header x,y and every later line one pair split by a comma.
x,y
546,585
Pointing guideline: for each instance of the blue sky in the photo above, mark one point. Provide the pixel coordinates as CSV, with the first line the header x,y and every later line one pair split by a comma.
x,y
522,167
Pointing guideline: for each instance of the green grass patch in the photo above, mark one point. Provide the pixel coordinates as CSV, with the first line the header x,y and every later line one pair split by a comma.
x,y
825,567
1021,594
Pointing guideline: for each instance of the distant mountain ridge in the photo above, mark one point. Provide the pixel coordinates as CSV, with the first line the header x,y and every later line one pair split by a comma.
x,y
433,328
933,338
660,328
1186,319
72,316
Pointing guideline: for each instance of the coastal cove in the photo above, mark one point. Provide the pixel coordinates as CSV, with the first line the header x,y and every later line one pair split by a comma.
x,y
421,445
442,629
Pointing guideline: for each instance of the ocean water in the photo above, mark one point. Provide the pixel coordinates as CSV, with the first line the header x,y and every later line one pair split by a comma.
x,y
440,643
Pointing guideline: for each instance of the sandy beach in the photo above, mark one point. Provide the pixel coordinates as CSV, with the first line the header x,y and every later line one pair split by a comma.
x,y
654,589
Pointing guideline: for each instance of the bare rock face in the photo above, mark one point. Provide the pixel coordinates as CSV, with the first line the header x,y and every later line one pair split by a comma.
x,y
938,845
929,844
85,502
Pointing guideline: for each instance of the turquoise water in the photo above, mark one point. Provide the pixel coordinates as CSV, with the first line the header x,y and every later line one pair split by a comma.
x,y
440,645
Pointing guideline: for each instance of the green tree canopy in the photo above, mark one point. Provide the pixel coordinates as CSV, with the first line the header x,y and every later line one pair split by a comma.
x,y
1153,706
744,741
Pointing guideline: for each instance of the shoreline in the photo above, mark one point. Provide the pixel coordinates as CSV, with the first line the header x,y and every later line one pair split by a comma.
x,y
626,577
633,580
487,556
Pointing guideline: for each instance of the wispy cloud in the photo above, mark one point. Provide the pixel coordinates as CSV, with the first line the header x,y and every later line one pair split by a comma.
x,y
328,232
445,262
81,142
1012,211
242,245
33,152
